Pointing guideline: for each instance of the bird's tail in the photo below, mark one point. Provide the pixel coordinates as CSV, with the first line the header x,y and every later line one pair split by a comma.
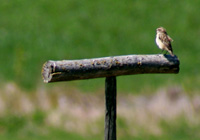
x,y
171,52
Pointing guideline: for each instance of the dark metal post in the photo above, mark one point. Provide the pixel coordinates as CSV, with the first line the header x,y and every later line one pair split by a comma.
x,y
110,108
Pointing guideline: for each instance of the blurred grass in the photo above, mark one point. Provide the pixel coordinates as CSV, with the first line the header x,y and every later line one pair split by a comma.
x,y
20,128
32,32
175,130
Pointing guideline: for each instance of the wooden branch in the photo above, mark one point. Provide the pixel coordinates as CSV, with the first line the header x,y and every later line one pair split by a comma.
x,y
67,70
110,108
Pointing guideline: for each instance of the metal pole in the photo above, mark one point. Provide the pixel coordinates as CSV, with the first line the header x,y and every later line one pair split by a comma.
x,y
110,111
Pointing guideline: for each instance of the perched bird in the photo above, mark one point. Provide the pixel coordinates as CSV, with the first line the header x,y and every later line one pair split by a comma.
x,y
163,41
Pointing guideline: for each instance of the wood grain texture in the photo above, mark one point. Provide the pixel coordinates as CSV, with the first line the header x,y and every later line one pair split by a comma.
x,y
67,70
110,108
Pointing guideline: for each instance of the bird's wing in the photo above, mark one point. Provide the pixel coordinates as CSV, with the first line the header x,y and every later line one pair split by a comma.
x,y
170,39
166,40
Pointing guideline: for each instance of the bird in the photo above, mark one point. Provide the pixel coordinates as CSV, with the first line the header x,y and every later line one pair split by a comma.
x,y
163,41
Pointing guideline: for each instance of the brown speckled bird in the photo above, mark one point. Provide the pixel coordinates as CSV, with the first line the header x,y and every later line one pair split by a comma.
x,y
163,41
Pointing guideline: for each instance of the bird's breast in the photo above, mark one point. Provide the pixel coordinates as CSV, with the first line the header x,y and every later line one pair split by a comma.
x,y
159,43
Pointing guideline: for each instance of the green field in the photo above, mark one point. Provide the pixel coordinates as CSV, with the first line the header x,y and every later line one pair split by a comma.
x,y
32,32
21,129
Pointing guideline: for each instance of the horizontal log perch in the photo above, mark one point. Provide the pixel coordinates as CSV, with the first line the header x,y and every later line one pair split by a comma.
x,y
67,70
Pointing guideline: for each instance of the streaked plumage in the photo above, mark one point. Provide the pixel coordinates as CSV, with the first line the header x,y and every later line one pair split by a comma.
x,y
163,41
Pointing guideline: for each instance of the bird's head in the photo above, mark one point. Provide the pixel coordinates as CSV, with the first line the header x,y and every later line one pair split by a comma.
x,y
161,30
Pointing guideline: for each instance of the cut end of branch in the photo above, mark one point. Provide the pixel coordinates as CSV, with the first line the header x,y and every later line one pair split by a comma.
x,y
47,71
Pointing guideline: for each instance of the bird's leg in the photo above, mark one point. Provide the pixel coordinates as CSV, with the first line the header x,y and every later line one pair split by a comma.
x,y
162,51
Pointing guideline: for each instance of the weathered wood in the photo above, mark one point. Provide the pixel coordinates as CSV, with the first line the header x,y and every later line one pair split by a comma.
x,y
66,70
111,111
